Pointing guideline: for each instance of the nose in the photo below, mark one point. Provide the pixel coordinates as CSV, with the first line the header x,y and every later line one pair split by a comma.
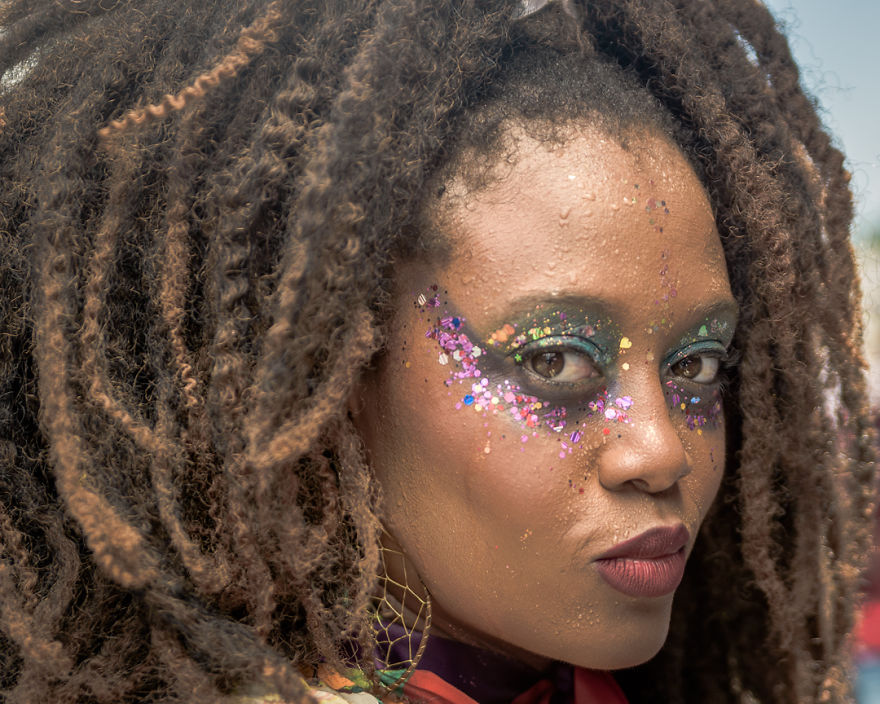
x,y
649,454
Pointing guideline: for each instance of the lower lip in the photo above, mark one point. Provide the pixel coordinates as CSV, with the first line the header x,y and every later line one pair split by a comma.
x,y
643,577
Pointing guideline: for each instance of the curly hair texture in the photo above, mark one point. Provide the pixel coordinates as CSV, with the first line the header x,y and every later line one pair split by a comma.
x,y
200,208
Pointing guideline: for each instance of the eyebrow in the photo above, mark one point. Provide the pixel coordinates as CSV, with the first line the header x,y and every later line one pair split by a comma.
x,y
526,306
722,308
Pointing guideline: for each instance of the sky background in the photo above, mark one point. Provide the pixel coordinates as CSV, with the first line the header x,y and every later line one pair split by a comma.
x,y
836,45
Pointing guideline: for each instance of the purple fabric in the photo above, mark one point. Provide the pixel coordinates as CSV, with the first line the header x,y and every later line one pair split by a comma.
x,y
485,676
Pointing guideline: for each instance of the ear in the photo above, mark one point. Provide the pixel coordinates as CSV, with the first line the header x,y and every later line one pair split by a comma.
x,y
364,385
356,399
360,406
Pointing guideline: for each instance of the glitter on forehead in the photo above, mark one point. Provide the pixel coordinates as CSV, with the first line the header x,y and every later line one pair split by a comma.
x,y
657,210
657,207
668,291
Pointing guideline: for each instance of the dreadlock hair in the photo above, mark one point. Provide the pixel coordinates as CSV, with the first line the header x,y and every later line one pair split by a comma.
x,y
200,207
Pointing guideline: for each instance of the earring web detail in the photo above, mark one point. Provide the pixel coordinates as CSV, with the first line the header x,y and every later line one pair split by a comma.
x,y
401,620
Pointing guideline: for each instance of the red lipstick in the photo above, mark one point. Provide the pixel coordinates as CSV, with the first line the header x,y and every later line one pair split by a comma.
x,y
649,565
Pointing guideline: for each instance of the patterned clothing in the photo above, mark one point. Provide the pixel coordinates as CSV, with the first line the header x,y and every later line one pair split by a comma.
x,y
455,673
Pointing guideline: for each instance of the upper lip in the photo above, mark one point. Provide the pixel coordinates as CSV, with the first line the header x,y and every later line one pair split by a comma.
x,y
653,543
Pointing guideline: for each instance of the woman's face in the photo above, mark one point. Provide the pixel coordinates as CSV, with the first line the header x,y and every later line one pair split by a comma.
x,y
546,422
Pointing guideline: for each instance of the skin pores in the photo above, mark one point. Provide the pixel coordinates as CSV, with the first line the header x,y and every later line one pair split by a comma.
x,y
610,256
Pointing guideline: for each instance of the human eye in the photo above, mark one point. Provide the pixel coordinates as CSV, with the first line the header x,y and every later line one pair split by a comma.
x,y
562,359
699,364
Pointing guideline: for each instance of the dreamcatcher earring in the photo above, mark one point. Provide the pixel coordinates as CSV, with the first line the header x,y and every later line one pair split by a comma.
x,y
402,618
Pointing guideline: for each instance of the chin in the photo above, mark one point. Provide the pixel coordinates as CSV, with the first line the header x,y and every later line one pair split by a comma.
x,y
621,645
638,652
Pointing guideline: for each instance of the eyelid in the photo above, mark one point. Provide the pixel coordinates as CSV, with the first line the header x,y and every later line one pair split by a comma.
x,y
563,341
713,347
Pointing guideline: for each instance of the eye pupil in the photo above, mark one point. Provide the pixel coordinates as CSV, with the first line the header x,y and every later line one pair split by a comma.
x,y
548,364
689,367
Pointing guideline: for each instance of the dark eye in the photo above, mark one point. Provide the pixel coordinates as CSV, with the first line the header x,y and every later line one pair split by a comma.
x,y
567,366
700,368
548,364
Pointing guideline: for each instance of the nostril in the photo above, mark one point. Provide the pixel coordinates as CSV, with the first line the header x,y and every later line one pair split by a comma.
x,y
648,487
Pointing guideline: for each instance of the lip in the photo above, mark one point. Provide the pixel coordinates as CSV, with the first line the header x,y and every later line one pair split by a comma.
x,y
649,565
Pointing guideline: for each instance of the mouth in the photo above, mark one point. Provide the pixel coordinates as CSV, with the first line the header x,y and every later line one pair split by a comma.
x,y
649,565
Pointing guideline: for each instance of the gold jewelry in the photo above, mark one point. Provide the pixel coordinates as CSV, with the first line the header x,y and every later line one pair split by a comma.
x,y
399,606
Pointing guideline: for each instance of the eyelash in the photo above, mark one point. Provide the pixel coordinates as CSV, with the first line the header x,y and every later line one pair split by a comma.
x,y
567,344
726,362
564,344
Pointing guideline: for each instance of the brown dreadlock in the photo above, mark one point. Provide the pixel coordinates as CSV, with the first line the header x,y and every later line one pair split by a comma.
x,y
200,204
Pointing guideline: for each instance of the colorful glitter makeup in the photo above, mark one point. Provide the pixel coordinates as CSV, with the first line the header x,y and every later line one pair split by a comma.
x,y
696,390
556,333
699,411
539,333
455,347
544,327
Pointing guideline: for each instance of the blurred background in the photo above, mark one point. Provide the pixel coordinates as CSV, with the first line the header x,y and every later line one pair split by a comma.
x,y
836,47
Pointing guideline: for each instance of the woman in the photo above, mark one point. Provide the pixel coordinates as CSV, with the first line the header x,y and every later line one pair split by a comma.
x,y
482,309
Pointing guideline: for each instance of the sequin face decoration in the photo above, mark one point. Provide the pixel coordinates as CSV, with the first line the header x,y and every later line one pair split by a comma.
x,y
522,421
699,363
569,349
696,364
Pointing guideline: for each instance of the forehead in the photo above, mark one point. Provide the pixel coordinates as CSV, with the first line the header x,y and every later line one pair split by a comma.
x,y
589,217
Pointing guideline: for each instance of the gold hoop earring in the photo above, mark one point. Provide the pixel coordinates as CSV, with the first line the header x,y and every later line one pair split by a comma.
x,y
401,615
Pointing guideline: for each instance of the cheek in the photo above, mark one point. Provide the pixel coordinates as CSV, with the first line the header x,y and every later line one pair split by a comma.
x,y
497,408
457,449
699,412
704,439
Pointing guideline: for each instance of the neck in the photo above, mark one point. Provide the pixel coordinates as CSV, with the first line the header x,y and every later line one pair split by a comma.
x,y
445,626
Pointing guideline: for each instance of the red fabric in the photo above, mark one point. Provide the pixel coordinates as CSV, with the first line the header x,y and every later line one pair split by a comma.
x,y
590,687
868,628
425,687
594,687
539,694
